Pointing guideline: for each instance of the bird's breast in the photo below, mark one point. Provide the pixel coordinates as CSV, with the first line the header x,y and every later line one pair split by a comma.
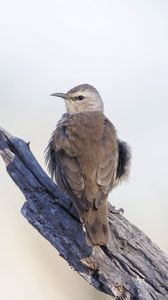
x,y
86,127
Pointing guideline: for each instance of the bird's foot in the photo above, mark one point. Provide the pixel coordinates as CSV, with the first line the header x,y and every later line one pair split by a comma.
x,y
116,211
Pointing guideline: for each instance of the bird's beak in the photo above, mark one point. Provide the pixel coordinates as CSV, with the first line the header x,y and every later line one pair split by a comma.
x,y
62,95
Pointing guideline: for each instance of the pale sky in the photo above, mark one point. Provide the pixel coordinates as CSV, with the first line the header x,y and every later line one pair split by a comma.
x,y
121,47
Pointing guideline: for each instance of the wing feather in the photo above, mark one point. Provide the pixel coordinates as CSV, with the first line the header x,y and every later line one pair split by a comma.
x,y
62,162
108,166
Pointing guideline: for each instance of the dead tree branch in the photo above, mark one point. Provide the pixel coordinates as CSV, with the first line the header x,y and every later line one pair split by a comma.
x,y
131,267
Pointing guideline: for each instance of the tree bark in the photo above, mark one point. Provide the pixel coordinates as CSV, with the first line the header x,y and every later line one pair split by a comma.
x,y
130,267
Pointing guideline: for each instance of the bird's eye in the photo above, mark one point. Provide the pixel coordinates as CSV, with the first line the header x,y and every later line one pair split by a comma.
x,y
80,97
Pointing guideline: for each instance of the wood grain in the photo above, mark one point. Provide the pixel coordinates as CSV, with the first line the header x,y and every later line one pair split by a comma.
x,y
130,267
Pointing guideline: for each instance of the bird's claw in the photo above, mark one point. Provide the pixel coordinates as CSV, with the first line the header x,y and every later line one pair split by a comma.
x,y
116,211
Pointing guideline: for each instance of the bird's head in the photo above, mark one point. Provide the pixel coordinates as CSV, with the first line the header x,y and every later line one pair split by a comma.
x,y
82,98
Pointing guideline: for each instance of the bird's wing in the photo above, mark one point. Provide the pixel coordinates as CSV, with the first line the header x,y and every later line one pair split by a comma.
x,y
107,168
62,162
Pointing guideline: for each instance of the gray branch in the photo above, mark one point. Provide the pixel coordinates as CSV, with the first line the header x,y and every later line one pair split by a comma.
x,y
131,267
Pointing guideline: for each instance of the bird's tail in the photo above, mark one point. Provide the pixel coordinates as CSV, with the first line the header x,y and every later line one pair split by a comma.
x,y
96,225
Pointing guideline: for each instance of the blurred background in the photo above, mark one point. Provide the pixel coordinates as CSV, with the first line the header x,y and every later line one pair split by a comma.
x,y
120,47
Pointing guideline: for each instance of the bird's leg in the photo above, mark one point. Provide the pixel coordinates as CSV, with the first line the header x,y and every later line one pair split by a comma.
x,y
94,250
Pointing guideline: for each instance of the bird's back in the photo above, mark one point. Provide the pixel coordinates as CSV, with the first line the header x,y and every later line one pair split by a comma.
x,y
93,138
83,155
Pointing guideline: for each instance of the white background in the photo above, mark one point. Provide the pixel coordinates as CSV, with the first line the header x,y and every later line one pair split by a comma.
x,y
121,47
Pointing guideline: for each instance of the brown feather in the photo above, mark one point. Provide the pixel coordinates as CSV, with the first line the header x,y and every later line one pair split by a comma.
x,y
82,155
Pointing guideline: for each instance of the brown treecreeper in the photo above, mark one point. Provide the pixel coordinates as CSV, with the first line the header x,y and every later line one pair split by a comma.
x,y
87,159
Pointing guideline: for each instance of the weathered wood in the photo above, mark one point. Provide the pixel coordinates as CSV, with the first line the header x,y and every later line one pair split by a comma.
x,y
131,267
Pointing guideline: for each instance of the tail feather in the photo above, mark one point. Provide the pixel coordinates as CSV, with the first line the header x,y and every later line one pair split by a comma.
x,y
96,225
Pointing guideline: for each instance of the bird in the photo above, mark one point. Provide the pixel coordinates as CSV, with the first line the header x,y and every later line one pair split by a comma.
x,y
87,160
